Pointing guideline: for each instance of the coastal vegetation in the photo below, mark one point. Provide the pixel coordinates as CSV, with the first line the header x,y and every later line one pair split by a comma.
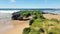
x,y
25,14
38,23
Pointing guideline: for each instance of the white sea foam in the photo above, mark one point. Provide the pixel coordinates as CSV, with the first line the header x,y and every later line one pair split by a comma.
x,y
8,11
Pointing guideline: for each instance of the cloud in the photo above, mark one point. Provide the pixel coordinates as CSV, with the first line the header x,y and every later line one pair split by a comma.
x,y
12,1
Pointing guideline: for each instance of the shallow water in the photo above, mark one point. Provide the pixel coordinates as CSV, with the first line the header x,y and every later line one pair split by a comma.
x,y
5,22
5,18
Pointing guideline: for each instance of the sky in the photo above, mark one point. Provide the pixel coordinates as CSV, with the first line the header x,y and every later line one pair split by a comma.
x,y
29,3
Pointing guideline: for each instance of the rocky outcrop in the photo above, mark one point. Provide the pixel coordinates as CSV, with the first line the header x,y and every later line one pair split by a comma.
x,y
17,16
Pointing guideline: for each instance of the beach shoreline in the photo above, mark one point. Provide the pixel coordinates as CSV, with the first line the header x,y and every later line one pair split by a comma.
x,y
20,25
17,26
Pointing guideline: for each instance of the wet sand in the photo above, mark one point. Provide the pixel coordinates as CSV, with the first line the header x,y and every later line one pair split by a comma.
x,y
18,27
8,26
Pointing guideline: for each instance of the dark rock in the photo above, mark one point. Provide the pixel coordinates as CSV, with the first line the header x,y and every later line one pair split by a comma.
x,y
15,15
20,18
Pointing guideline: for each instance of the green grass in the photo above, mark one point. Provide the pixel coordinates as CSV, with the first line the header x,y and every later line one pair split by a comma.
x,y
54,30
55,20
26,31
39,24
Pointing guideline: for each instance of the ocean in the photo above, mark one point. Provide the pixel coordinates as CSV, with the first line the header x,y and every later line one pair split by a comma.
x,y
52,11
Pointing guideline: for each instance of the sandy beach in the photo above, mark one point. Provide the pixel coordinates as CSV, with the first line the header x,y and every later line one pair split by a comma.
x,y
16,26
20,25
50,16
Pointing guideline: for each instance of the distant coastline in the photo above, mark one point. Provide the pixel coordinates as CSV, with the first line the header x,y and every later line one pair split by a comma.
x,y
12,10
29,9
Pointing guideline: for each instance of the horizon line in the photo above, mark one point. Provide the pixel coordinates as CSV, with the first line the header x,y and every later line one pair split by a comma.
x,y
29,8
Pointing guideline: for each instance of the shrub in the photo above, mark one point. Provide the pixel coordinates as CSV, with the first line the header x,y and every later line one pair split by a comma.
x,y
50,33
50,25
26,31
55,20
37,27
54,30
41,30
35,17
31,21
28,15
